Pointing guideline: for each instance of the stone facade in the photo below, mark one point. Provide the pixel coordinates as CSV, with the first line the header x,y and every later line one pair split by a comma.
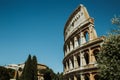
x,y
81,45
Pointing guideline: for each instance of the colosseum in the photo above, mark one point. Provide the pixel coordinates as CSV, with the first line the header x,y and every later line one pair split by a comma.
x,y
81,44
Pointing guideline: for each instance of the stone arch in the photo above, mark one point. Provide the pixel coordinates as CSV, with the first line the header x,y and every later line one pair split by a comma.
x,y
86,56
68,45
87,77
78,77
72,77
79,39
86,35
72,60
95,52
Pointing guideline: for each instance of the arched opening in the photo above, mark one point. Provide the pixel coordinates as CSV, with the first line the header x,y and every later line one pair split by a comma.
x,y
78,61
95,52
78,77
68,65
86,35
86,77
78,39
86,56
65,50
73,43
71,77
72,60
69,46
64,66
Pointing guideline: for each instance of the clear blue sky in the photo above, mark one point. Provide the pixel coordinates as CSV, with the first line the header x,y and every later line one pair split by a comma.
x,y
36,27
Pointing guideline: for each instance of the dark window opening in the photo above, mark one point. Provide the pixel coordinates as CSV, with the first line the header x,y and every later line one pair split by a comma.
x,y
86,56
87,77
78,78
72,63
78,60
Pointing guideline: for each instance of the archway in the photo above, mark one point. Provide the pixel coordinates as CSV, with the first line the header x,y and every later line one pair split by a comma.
x,y
86,35
95,52
86,56
86,77
78,61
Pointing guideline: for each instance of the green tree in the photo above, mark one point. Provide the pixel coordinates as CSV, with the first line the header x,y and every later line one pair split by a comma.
x,y
11,72
34,68
4,74
27,71
49,74
109,56
30,69
17,76
46,73
59,76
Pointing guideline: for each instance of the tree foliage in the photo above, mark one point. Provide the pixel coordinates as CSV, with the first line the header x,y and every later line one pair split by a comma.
x,y
49,74
109,56
4,74
60,76
30,69
34,68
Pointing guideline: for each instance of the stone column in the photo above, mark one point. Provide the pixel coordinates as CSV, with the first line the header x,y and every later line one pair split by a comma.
x,y
75,77
90,32
93,33
67,66
69,78
76,42
67,49
90,56
91,77
75,62
71,46
82,59
82,77
70,64
82,37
